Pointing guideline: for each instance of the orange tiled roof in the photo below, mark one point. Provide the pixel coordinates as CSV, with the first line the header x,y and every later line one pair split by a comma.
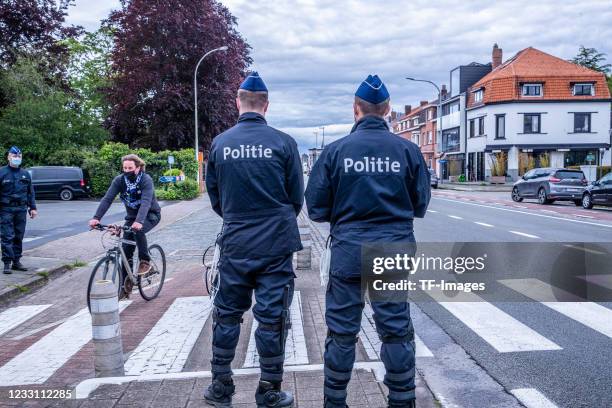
x,y
533,65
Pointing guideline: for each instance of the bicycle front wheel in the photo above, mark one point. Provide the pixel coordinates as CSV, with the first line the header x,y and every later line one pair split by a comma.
x,y
105,269
150,284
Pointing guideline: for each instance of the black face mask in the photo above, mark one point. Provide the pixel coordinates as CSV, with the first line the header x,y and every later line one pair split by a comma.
x,y
131,175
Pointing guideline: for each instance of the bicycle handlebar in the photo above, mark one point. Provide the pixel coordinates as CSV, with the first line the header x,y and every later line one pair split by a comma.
x,y
102,227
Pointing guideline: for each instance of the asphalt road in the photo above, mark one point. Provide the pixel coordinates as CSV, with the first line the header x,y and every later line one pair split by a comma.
x,y
57,219
560,353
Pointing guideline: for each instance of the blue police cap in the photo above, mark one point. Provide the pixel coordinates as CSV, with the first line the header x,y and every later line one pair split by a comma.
x,y
372,90
254,83
14,150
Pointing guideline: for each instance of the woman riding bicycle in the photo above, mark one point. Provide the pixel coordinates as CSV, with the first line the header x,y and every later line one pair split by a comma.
x,y
136,190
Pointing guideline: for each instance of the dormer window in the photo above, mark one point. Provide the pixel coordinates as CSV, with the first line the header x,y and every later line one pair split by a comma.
x,y
532,89
478,95
584,90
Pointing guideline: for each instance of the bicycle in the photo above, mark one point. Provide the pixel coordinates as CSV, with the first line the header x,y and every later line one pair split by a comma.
x,y
107,268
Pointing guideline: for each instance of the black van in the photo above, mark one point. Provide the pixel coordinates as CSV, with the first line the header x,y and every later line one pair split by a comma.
x,y
65,183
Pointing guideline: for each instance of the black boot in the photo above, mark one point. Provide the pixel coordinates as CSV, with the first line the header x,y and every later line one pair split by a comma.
x,y
269,395
219,392
402,404
329,404
7,268
18,266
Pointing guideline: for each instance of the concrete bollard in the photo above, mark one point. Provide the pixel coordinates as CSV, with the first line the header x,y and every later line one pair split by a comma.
x,y
304,256
106,330
304,233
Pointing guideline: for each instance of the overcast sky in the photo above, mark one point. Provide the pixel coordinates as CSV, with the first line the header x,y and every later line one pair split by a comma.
x,y
313,54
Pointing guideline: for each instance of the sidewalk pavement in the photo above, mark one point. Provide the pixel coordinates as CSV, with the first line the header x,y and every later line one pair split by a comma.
x,y
57,257
478,186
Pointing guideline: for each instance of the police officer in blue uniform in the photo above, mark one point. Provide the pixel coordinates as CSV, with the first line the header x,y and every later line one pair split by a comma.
x,y
369,186
255,182
16,200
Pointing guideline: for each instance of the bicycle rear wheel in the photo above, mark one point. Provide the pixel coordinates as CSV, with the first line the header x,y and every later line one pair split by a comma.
x,y
150,284
105,269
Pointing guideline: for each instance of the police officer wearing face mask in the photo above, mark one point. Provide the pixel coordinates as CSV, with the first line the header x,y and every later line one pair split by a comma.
x,y
255,182
16,200
136,190
369,186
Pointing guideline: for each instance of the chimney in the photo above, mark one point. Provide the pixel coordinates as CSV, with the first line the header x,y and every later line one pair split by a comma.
x,y
497,55
423,103
444,92
407,109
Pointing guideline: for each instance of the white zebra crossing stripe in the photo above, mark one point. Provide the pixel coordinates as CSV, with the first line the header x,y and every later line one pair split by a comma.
x,y
371,342
167,345
532,398
295,347
38,362
503,332
590,314
13,317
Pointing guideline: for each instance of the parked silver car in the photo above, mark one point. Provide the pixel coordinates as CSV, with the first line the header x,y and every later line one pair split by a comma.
x,y
550,184
434,178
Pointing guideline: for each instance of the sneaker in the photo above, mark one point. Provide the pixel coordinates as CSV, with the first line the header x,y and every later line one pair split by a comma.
x,y
128,286
402,404
269,395
144,267
18,266
219,393
7,268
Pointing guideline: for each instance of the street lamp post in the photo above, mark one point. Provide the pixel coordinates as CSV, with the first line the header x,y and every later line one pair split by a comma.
x,y
323,141
438,114
195,97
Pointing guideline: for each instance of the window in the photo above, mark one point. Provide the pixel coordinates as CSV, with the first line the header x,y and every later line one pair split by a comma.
x,y
478,96
481,130
472,132
532,90
415,138
500,126
429,137
430,114
582,122
531,123
584,89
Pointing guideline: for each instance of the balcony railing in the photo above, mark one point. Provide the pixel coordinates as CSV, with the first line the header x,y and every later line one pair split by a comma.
x,y
449,121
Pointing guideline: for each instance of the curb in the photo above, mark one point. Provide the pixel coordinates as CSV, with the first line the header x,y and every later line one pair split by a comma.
x,y
487,188
33,283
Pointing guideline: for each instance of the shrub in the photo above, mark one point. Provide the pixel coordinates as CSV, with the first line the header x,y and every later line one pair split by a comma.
x,y
183,190
172,172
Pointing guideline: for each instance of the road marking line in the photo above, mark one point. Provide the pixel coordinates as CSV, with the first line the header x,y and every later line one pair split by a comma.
x,y
484,224
591,251
371,342
550,211
295,347
528,213
13,317
30,239
583,216
41,360
590,314
166,347
455,217
524,234
532,398
432,211
492,324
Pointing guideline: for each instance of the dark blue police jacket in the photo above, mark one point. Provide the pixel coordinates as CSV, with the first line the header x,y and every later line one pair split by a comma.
x,y
369,186
255,182
16,190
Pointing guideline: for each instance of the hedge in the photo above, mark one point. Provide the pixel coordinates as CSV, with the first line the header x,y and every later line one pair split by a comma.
x,y
183,190
105,164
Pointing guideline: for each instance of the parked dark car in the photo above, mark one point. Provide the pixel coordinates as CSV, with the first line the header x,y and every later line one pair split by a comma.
x,y
434,178
65,183
598,192
549,185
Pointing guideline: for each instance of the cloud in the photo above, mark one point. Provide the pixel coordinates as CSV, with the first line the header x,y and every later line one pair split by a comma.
x,y
314,53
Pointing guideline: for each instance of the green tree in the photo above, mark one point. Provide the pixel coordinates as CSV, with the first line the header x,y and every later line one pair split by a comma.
x,y
595,60
42,118
89,70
